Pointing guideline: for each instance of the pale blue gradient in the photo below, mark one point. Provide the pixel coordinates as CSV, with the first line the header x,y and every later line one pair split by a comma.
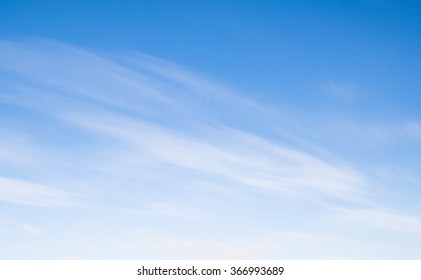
x,y
156,130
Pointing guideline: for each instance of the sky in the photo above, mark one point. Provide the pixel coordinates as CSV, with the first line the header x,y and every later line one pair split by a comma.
x,y
210,129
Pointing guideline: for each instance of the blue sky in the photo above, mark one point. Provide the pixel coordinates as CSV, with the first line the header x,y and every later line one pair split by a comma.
x,y
210,130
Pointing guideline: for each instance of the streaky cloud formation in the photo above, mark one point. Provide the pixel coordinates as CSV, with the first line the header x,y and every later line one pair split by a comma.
x,y
142,148
27,193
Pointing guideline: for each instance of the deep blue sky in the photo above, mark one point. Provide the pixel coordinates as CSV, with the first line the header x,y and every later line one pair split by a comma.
x,y
283,48
210,129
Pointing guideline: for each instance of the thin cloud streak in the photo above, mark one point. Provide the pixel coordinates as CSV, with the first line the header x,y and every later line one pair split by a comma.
x,y
28,193
346,93
384,219
253,162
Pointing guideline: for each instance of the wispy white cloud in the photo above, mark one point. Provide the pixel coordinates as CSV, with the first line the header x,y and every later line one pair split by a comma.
x,y
383,219
242,158
344,92
395,174
28,193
